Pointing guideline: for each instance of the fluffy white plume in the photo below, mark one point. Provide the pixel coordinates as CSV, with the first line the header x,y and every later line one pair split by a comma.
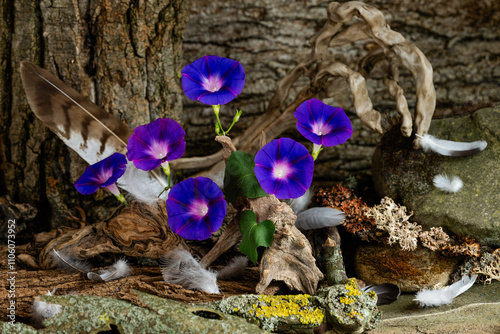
x,y
118,270
65,262
444,183
233,269
439,297
179,267
148,188
319,217
450,148
300,204
41,310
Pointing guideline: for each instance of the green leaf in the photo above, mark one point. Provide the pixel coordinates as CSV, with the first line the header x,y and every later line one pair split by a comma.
x,y
239,177
254,235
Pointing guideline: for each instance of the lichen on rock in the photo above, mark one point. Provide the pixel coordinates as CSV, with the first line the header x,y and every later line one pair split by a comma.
x,y
274,312
348,309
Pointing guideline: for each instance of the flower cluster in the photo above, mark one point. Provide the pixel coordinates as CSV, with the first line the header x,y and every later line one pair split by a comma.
x,y
196,207
150,146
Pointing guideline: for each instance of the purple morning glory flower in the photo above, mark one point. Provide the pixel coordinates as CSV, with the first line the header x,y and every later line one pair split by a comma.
x,y
323,124
195,208
156,143
213,80
103,174
284,168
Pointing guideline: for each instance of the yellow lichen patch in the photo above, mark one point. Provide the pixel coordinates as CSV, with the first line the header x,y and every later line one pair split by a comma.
x,y
353,313
288,306
104,317
352,291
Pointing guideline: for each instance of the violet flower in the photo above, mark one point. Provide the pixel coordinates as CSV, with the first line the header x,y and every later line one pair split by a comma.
x,y
213,80
155,144
195,208
322,124
284,168
103,174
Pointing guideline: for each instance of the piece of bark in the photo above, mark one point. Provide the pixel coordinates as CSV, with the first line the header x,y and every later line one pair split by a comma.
x,y
139,231
289,258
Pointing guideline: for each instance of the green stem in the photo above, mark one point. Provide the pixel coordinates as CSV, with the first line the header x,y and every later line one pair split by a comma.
x,y
219,125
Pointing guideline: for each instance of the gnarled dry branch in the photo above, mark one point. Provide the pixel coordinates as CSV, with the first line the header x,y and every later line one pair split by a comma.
x,y
324,72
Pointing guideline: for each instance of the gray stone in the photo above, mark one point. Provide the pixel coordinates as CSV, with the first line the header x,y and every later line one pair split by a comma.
x,y
405,175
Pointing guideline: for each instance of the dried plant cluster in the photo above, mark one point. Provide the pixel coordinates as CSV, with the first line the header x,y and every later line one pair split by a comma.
x,y
389,222
463,245
355,222
487,267
393,219
434,239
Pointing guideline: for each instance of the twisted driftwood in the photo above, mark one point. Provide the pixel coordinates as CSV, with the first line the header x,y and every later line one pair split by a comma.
x,y
327,76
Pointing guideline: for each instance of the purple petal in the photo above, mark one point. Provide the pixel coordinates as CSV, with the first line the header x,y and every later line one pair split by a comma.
x,y
284,168
213,80
101,174
323,124
152,144
196,208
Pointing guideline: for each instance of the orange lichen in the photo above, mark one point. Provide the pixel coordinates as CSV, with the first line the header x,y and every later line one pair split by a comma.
x,y
356,222
399,267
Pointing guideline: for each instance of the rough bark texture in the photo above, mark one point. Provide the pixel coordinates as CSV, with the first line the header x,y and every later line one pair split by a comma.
x,y
124,55
460,39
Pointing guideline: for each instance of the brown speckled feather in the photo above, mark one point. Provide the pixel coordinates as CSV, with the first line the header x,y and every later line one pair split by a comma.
x,y
88,129
85,127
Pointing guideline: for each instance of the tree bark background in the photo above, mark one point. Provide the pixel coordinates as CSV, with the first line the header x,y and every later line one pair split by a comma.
x,y
461,39
124,55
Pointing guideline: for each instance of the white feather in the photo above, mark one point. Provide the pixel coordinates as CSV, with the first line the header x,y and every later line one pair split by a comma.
x,y
300,204
444,183
65,262
450,148
118,270
179,267
41,310
233,269
143,185
439,297
319,217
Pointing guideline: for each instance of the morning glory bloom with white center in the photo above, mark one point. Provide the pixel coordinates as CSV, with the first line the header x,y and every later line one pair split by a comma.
x,y
284,168
103,174
213,80
322,124
154,144
196,208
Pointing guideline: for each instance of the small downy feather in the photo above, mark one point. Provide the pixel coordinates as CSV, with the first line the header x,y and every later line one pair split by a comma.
x,y
180,267
319,217
234,269
439,297
387,293
444,183
41,310
119,269
65,262
450,148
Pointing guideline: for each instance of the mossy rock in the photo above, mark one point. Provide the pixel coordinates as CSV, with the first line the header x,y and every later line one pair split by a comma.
x,y
93,314
405,175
